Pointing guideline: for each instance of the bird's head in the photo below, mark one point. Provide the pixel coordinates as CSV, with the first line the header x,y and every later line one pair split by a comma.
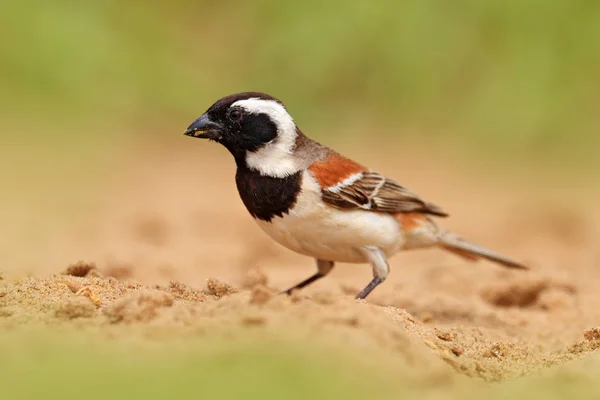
x,y
256,129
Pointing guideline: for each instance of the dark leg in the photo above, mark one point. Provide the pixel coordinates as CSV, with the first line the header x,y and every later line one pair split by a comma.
x,y
380,266
304,283
323,268
372,285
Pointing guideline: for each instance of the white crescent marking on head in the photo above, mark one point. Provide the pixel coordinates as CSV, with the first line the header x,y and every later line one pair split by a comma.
x,y
275,158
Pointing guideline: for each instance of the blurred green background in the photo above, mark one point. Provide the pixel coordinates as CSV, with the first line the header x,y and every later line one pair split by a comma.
x,y
505,79
517,79
52,368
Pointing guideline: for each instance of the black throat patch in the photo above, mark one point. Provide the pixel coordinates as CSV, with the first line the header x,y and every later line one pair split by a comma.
x,y
266,197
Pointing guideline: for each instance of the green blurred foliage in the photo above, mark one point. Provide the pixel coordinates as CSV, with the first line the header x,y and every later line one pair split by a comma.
x,y
78,366
74,365
505,76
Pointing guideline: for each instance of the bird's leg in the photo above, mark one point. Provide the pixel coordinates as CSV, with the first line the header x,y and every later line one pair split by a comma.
x,y
323,268
381,269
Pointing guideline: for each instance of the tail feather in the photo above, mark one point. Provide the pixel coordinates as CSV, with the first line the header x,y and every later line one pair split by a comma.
x,y
470,251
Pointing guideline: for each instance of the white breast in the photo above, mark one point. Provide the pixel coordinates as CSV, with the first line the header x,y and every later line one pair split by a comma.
x,y
315,229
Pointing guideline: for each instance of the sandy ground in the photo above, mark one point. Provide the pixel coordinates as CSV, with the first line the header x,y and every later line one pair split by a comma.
x,y
165,242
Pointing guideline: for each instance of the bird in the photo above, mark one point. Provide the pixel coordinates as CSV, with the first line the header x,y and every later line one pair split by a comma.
x,y
317,202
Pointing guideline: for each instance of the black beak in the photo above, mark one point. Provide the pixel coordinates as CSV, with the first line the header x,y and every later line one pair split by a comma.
x,y
204,128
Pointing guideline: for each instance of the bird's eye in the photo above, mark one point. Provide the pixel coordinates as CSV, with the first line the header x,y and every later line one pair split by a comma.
x,y
235,115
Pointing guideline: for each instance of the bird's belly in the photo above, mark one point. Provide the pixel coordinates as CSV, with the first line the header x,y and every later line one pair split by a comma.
x,y
315,229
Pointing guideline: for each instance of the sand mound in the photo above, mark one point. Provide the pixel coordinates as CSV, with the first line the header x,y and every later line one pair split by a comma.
x,y
221,309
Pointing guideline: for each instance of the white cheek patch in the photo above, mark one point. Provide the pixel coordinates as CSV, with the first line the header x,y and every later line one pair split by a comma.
x,y
275,158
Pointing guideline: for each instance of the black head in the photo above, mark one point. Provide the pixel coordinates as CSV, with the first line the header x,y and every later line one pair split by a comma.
x,y
243,123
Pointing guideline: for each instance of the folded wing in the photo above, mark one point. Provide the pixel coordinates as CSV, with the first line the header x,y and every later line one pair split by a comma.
x,y
372,191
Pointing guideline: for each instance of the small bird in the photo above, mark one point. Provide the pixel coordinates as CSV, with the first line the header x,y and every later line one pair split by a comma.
x,y
315,201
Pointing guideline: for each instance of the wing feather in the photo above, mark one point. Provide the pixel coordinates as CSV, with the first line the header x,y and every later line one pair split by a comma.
x,y
374,192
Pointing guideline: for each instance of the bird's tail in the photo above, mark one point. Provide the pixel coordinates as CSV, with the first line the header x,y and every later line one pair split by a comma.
x,y
470,251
